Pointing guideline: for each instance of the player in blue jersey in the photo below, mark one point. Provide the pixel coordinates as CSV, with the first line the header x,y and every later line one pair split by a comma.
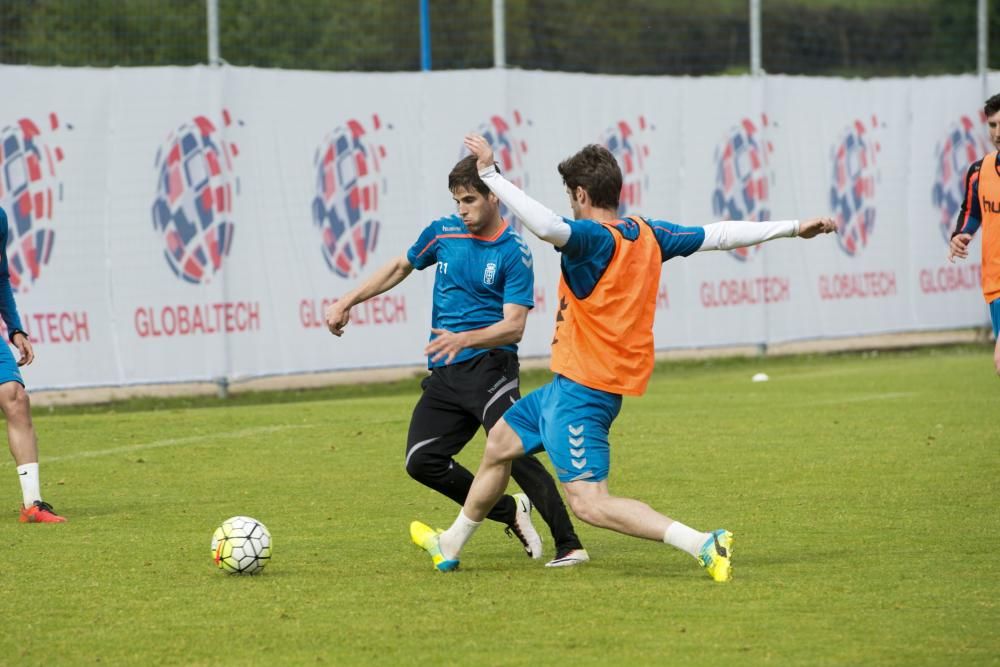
x,y
14,399
603,349
483,290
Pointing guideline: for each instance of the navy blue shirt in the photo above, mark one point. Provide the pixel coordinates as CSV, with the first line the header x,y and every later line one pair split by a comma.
x,y
475,277
8,309
590,247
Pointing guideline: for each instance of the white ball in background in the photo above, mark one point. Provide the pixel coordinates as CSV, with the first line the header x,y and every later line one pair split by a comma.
x,y
760,377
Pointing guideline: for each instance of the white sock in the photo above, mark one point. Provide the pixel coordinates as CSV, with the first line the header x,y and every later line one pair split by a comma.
x,y
453,539
28,476
685,538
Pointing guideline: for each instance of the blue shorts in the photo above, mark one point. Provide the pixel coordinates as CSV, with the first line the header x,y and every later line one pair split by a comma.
x,y
571,422
8,366
995,316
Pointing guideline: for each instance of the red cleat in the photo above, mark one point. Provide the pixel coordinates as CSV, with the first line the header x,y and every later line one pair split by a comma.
x,y
40,512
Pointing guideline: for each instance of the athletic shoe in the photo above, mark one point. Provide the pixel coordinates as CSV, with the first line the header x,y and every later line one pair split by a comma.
x,y
40,512
427,539
716,555
522,528
569,558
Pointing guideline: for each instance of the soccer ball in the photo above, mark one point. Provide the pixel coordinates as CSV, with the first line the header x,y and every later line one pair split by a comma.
x,y
241,545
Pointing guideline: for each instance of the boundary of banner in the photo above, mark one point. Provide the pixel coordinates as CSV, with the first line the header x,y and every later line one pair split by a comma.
x,y
903,340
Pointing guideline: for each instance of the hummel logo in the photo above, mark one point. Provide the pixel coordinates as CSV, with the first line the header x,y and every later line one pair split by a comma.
x,y
575,430
563,305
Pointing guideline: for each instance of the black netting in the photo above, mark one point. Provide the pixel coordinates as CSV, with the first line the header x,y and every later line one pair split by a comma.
x,y
817,37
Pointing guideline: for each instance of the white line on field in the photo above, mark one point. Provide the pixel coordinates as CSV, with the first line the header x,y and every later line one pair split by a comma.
x,y
172,442
862,398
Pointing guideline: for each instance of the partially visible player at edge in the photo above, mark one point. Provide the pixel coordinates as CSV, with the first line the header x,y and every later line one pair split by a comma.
x,y
14,400
483,289
981,208
602,349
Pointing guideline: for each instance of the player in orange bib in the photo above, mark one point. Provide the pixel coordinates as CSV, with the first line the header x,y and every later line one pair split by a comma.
x,y
602,350
981,208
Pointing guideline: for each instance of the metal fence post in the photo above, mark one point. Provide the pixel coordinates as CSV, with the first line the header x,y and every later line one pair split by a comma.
x,y
425,35
212,7
499,35
982,48
755,68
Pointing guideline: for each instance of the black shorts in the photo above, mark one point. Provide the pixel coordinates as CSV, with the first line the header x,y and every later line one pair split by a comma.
x,y
460,398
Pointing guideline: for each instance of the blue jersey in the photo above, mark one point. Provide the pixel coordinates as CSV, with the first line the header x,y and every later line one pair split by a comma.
x,y
475,277
587,253
8,309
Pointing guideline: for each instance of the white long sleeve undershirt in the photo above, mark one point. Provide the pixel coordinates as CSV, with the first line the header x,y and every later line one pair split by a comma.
x,y
741,233
539,219
550,226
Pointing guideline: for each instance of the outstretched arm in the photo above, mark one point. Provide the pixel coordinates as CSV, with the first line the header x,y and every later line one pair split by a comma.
x,y
740,233
539,219
509,330
384,279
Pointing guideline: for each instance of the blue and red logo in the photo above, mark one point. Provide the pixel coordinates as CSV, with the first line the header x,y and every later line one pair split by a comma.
x,y
30,186
743,177
964,143
349,181
627,143
509,150
854,180
195,189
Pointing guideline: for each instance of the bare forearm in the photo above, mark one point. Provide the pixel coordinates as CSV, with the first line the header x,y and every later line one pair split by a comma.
x,y
496,335
384,279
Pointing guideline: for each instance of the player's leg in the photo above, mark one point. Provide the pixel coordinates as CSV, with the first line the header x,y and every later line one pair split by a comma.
x,y
996,355
532,476
439,429
503,445
995,317
592,503
575,432
500,388
22,441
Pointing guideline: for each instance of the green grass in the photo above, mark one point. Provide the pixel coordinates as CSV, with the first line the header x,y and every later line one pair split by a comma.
x,y
862,491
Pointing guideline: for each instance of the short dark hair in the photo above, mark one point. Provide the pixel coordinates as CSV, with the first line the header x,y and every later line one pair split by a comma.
x,y
594,169
465,174
992,105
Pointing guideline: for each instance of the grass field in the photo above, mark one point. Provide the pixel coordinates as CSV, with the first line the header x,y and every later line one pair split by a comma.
x,y
862,491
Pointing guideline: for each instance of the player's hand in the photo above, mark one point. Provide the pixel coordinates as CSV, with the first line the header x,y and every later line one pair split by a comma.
x,y
816,226
959,246
23,346
338,314
481,148
446,345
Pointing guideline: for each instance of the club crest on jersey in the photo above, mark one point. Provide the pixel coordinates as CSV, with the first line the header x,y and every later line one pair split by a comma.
x,y
490,275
